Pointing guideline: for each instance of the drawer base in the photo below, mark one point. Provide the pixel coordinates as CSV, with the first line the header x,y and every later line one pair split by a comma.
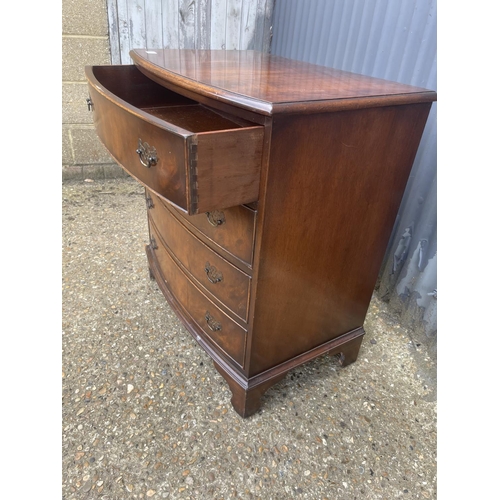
x,y
247,392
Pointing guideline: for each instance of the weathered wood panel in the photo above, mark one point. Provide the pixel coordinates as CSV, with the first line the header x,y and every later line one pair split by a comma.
x,y
263,19
124,28
188,24
218,24
202,25
233,24
114,41
170,24
154,24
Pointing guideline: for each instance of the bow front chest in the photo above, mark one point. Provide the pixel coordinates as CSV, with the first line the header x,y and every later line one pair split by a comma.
x,y
272,186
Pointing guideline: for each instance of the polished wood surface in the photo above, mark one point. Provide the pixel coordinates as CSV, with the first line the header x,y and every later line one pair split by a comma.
x,y
202,160
215,275
270,84
327,158
230,231
317,271
211,322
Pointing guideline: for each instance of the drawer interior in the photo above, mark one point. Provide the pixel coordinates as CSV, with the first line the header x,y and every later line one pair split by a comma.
x,y
195,118
129,84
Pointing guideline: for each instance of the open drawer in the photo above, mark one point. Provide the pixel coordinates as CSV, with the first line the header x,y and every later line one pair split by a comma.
x,y
183,151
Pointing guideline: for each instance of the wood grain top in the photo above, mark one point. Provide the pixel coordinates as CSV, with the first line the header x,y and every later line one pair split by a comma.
x,y
271,84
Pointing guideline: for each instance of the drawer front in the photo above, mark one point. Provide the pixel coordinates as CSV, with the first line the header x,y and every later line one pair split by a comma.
x,y
213,323
231,229
181,150
120,130
217,276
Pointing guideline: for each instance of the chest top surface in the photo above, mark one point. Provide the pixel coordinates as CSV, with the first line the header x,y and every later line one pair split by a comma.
x,y
269,84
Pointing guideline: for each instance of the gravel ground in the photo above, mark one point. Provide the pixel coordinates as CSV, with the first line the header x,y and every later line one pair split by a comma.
x,y
146,415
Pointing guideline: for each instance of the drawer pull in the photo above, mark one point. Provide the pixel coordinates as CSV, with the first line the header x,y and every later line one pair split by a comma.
x,y
215,326
90,104
149,202
213,275
216,218
147,154
154,245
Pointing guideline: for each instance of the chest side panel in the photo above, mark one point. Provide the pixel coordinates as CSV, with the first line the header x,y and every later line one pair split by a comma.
x,y
334,185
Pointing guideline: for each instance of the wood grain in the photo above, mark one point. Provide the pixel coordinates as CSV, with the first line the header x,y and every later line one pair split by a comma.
x,y
230,337
225,282
233,237
171,17
218,24
204,160
270,84
326,223
328,165
184,24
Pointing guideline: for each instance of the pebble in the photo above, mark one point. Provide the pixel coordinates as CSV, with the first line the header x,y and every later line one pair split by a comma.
x,y
87,486
161,436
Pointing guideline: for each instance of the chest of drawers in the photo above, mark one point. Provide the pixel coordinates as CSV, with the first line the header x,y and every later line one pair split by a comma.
x,y
272,187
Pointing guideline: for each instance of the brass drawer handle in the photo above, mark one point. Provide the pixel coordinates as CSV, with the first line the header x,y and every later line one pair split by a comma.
x,y
147,154
213,275
215,326
216,218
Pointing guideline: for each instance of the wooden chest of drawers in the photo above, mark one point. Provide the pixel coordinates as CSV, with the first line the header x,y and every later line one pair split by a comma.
x,y
272,187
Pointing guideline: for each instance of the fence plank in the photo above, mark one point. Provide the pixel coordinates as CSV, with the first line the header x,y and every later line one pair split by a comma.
x,y
153,24
188,24
218,24
123,30
170,20
233,24
137,23
202,24
114,35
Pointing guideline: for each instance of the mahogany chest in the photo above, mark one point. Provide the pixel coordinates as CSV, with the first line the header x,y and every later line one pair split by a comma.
x,y
272,186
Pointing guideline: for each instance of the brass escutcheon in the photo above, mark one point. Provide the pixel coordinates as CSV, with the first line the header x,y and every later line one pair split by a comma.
x,y
213,275
215,326
216,218
147,154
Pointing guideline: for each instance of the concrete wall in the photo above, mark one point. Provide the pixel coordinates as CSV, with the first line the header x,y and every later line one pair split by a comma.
x,y
85,40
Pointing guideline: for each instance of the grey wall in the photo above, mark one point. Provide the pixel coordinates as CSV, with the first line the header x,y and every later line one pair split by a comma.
x,y
395,40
